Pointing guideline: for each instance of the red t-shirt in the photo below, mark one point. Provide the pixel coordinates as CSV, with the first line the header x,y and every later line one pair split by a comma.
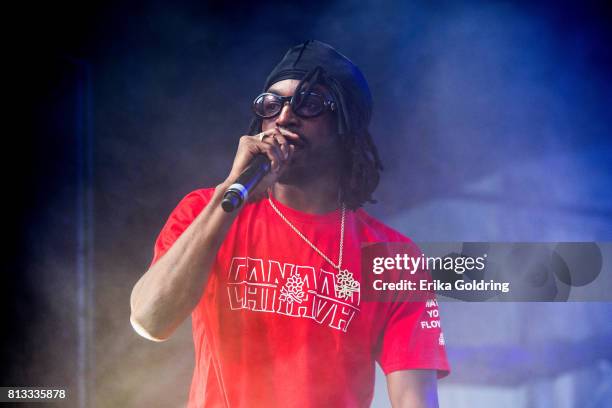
x,y
276,327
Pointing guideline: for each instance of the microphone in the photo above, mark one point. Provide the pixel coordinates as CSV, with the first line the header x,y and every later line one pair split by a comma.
x,y
246,182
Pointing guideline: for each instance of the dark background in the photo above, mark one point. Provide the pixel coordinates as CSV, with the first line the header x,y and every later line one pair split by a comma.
x,y
128,107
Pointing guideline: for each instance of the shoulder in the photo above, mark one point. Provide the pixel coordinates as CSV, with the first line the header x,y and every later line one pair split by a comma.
x,y
183,214
202,195
191,205
197,199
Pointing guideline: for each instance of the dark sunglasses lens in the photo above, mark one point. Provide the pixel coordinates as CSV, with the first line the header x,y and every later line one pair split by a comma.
x,y
267,105
308,105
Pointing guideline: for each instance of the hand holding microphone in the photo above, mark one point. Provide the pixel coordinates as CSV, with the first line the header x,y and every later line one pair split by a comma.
x,y
257,165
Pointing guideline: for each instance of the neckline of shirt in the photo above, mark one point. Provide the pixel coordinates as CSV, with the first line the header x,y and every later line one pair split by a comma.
x,y
292,214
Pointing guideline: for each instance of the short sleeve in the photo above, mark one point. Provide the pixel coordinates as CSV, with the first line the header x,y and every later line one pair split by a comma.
x,y
411,336
413,339
180,218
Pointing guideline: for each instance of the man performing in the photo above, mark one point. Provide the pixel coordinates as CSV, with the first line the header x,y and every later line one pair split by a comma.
x,y
273,288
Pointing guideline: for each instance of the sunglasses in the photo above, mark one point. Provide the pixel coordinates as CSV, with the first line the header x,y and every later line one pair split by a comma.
x,y
303,104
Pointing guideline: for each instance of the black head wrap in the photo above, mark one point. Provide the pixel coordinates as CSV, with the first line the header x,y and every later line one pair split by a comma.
x,y
315,62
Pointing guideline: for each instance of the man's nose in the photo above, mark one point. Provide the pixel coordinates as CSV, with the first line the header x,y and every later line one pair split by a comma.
x,y
286,116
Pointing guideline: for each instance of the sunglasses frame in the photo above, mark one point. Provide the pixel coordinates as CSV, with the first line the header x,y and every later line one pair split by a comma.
x,y
327,104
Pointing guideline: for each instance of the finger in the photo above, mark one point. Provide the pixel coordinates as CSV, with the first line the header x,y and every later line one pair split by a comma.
x,y
291,150
279,140
290,136
273,152
285,166
261,136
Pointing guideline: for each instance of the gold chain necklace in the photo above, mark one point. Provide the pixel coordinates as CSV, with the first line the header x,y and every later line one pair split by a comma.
x,y
337,266
345,284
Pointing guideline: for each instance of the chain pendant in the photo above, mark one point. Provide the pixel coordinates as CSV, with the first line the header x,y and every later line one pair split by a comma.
x,y
346,284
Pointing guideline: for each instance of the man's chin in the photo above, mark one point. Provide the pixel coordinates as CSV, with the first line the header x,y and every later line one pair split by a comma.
x,y
296,174
304,168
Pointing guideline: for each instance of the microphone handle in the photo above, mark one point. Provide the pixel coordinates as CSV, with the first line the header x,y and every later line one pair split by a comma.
x,y
246,182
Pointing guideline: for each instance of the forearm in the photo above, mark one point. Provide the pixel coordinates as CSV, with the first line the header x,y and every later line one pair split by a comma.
x,y
167,293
